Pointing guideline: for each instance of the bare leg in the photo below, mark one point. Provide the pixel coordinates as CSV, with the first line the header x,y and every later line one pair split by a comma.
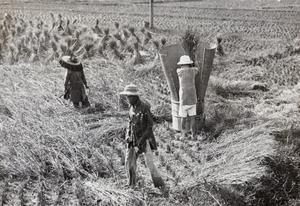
x,y
130,165
155,175
183,127
193,125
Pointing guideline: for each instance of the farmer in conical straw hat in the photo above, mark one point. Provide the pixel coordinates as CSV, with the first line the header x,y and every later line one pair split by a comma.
x,y
139,135
75,81
187,94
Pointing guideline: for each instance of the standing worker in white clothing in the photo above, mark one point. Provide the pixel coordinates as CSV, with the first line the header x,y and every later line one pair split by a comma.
x,y
187,94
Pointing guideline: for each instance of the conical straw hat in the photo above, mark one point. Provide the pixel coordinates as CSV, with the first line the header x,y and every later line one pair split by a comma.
x,y
71,63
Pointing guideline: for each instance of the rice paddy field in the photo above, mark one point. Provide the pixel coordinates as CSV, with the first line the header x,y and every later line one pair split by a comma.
x,y
52,154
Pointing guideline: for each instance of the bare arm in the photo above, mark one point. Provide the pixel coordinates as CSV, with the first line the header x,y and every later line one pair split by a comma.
x,y
128,137
67,80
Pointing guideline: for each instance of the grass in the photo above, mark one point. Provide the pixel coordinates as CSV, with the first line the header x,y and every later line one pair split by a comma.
x,y
52,154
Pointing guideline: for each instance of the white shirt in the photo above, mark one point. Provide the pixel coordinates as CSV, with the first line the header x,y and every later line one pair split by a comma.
x,y
187,88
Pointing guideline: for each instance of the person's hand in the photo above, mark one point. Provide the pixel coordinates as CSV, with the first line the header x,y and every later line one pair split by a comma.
x,y
128,139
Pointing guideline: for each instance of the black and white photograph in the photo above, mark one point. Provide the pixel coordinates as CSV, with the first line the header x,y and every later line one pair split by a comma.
x,y
150,103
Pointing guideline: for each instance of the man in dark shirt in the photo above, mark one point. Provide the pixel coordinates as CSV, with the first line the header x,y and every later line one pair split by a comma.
x,y
139,134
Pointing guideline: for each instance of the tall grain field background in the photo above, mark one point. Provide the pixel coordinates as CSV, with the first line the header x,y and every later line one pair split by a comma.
x,y
53,154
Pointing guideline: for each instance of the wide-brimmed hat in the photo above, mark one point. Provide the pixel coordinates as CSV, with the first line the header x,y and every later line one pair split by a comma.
x,y
71,63
130,89
185,59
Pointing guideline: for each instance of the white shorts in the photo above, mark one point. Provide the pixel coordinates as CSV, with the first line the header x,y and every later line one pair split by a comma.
x,y
187,110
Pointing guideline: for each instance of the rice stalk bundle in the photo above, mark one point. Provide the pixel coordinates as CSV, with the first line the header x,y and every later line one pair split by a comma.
x,y
52,16
63,47
100,49
125,33
24,28
106,31
59,16
13,32
46,35
132,31
119,38
115,52
137,57
53,26
190,41
53,46
156,45
68,41
12,49
5,25
163,41
8,17
97,29
148,35
38,33
26,52
117,25
88,48
68,30
60,27
118,54
43,48
30,34
113,44
5,37
19,48
77,34
34,57
75,45
146,41
19,30
129,48
106,37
